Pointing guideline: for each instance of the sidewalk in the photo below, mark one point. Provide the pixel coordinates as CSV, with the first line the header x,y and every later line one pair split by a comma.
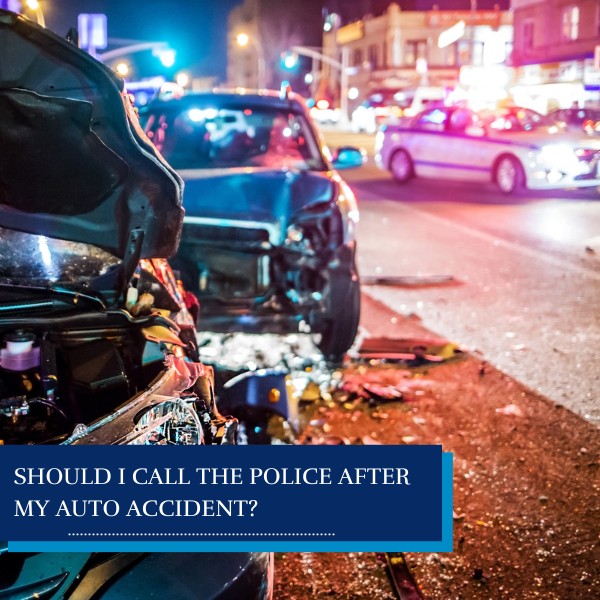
x,y
526,485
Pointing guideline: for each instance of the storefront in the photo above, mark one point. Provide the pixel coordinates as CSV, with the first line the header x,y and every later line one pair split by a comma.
x,y
547,86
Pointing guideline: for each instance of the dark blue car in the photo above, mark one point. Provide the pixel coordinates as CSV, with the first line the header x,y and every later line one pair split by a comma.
x,y
268,240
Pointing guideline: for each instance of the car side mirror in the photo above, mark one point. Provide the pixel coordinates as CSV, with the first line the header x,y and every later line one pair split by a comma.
x,y
348,157
475,131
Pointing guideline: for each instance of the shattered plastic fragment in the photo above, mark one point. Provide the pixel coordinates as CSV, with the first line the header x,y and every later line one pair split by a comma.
x,y
369,441
510,409
412,351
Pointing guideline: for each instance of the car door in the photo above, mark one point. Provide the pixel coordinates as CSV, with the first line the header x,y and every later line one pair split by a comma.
x,y
425,140
469,153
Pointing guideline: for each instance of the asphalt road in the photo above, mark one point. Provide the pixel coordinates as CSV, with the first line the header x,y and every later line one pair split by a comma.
x,y
525,272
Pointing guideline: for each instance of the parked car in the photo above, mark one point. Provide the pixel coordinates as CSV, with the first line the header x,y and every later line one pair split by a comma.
x,y
377,109
96,343
389,106
323,113
512,147
577,119
269,233
425,96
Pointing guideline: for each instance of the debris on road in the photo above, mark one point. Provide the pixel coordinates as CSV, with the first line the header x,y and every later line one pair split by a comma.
x,y
414,352
510,409
504,471
407,280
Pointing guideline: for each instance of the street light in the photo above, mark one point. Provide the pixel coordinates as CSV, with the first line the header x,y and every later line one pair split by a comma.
x,y
166,56
36,7
243,40
122,69
182,79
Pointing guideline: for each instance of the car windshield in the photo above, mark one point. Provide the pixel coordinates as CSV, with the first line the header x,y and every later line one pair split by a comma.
x,y
512,120
29,259
207,137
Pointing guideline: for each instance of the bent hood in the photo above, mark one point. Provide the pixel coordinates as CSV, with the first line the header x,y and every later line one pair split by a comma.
x,y
74,162
254,194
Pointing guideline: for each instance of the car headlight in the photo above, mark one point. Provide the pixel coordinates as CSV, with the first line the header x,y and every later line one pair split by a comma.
x,y
558,156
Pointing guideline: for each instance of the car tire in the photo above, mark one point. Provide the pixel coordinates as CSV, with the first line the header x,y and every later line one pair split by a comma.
x,y
342,315
509,175
401,166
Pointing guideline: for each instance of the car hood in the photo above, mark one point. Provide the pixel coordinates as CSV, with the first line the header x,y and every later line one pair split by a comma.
x,y
75,163
254,194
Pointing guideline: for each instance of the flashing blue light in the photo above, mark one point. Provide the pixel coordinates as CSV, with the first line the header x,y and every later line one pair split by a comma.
x,y
289,60
167,57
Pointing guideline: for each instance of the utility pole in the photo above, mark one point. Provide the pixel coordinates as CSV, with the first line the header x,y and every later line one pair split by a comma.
x,y
472,33
342,67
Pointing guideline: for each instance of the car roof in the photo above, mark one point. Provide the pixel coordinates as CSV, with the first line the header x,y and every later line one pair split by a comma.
x,y
228,98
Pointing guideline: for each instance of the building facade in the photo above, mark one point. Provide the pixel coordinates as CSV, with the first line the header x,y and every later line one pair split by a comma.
x,y
555,44
403,50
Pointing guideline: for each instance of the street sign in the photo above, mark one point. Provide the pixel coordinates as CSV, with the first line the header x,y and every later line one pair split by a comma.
x,y
92,31
12,5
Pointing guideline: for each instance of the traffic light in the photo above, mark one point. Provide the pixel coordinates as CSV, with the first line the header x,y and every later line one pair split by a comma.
x,y
289,61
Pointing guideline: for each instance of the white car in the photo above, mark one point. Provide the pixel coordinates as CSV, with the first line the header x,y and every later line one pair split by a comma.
x,y
326,115
513,147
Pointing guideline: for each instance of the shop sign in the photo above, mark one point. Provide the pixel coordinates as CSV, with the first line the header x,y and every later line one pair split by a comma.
x,y
560,72
447,18
350,33
591,73
564,72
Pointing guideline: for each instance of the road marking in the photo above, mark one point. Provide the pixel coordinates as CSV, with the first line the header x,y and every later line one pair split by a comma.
x,y
498,242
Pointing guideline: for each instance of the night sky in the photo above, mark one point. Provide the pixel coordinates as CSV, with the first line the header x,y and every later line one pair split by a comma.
x,y
196,29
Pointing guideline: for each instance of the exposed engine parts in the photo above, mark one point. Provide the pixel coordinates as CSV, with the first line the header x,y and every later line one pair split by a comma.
x,y
109,376
53,387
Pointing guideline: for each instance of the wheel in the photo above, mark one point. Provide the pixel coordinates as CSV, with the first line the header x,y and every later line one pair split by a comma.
x,y
401,166
509,175
342,315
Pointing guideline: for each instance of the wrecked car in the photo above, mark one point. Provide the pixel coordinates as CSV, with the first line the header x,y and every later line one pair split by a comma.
x,y
96,343
268,240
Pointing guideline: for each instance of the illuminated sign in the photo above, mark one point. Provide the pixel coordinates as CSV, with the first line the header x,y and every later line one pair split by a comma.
x,y
92,31
350,33
450,35
446,18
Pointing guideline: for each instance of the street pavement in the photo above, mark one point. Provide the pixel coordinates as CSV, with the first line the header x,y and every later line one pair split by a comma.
x,y
525,272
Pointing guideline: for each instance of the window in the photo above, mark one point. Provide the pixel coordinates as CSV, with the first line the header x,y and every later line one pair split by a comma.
x,y
460,119
357,57
528,35
413,50
508,53
469,53
204,136
570,23
373,56
432,120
